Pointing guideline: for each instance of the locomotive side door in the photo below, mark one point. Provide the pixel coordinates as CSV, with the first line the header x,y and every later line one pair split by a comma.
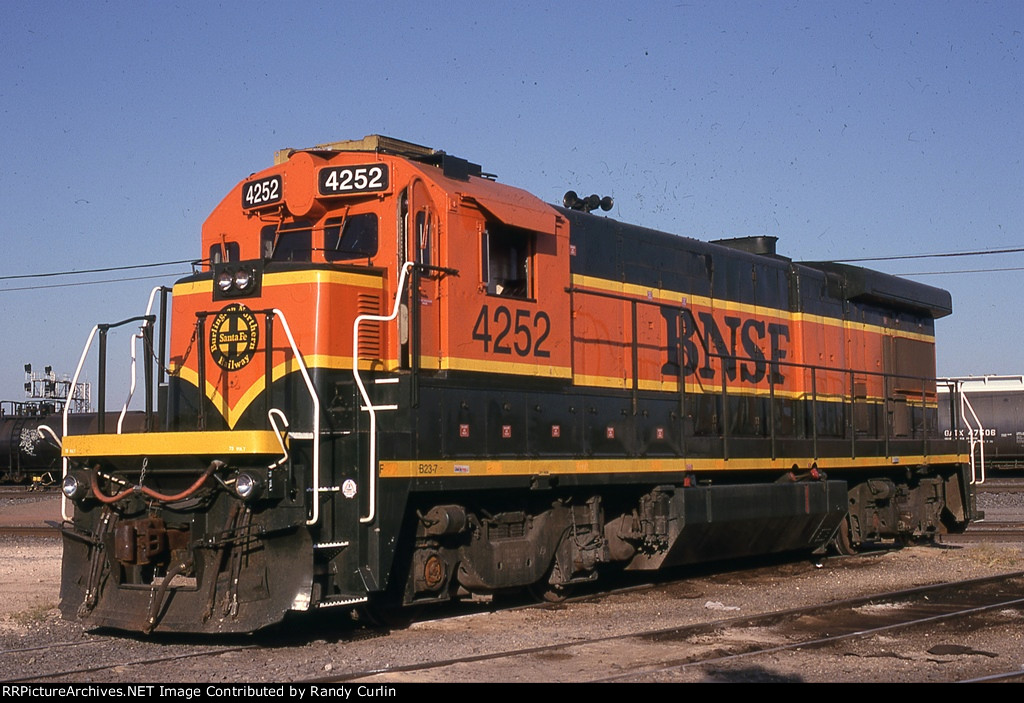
x,y
426,286
419,320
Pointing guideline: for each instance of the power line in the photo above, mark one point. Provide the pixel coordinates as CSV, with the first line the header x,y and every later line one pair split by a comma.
x,y
979,252
102,270
943,273
50,274
84,283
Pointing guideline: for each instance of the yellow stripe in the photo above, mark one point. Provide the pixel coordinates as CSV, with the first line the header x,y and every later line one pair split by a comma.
x,y
343,363
232,414
151,444
581,379
510,367
661,295
290,278
348,278
530,467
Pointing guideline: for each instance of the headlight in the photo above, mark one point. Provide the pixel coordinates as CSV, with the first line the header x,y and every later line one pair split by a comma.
x,y
237,279
248,487
73,488
224,281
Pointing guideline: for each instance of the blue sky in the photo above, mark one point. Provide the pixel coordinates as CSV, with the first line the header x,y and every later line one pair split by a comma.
x,y
847,130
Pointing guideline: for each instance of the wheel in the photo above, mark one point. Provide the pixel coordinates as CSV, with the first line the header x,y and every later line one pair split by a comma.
x,y
385,615
842,542
545,592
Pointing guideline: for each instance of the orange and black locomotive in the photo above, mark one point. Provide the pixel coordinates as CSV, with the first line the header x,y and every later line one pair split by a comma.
x,y
396,381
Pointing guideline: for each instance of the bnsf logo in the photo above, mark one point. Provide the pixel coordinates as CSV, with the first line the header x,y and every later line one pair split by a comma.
x,y
745,339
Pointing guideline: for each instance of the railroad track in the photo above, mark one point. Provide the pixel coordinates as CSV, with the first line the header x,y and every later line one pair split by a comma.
x,y
28,512
710,651
1002,485
51,531
21,492
995,531
737,648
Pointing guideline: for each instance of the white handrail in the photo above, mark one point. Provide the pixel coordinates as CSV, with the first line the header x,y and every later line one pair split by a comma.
x,y
131,387
64,423
135,337
44,430
368,406
976,437
271,415
315,517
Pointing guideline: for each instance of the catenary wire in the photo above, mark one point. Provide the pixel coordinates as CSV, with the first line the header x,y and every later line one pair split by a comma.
x,y
980,252
943,273
100,270
85,283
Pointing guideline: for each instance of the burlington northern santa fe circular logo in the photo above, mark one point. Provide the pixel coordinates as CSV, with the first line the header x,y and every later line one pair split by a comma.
x,y
234,336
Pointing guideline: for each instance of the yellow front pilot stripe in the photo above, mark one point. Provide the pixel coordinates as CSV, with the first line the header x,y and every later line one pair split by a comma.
x,y
151,444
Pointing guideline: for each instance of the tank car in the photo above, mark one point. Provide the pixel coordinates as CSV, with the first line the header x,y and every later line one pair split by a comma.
x,y
24,455
397,381
989,409
30,434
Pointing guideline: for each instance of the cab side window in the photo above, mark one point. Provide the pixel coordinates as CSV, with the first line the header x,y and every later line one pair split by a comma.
x,y
224,252
507,261
424,237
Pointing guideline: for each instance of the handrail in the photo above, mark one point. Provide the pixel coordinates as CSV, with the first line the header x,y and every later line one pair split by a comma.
x,y
315,517
368,405
102,329
974,436
686,317
44,430
685,311
64,423
271,414
147,323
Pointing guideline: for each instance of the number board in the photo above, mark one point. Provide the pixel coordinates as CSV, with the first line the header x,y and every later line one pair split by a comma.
x,y
262,192
353,180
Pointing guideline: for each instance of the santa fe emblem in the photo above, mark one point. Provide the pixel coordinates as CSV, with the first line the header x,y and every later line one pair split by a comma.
x,y
234,336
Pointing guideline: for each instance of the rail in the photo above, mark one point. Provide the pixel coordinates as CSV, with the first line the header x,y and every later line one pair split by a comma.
x,y
145,335
101,410
890,396
895,389
368,405
975,432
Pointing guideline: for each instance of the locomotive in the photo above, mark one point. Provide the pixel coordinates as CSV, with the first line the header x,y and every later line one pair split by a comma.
x,y
397,381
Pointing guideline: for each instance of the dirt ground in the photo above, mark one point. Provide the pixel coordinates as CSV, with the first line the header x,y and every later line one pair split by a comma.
x,y
29,578
30,584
